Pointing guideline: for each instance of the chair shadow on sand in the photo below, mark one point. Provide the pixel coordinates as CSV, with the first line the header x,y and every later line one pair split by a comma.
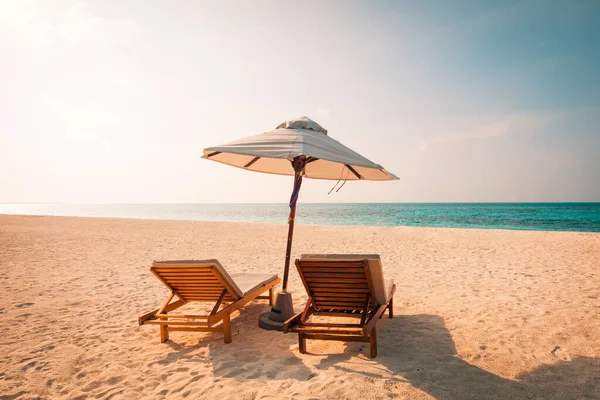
x,y
418,349
253,354
414,349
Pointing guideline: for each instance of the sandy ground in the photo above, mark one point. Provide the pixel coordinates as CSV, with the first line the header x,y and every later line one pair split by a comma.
x,y
480,314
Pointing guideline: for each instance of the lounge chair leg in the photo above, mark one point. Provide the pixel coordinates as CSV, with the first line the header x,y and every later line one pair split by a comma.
x,y
301,343
164,333
373,343
271,294
391,307
227,328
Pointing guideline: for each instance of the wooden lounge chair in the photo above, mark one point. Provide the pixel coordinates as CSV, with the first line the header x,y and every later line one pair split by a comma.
x,y
204,281
342,286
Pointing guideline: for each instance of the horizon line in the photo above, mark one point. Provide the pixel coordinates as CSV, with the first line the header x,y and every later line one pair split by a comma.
x,y
285,202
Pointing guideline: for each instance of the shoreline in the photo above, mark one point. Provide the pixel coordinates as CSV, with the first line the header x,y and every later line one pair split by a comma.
x,y
300,224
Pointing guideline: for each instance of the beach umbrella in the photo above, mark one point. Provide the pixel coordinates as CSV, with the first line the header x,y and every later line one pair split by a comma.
x,y
303,149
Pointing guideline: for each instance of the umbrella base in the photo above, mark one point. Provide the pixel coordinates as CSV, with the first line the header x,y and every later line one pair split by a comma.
x,y
281,312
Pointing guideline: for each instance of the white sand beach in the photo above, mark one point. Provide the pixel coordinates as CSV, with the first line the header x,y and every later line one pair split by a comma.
x,y
479,314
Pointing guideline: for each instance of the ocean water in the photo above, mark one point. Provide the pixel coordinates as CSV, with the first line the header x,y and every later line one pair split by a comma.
x,y
581,217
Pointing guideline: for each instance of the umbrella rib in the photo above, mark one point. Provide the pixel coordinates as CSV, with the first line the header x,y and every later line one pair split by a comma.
x,y
255,159
353,171
311,159
213,154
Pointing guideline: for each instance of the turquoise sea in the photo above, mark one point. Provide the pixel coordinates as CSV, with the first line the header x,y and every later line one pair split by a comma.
x,y
582,217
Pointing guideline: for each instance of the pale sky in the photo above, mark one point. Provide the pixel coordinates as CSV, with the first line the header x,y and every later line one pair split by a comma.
x,y
113,101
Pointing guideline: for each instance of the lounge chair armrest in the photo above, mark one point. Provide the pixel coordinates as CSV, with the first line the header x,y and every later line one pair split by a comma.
x,y
146,317
152,314
373,321
295,319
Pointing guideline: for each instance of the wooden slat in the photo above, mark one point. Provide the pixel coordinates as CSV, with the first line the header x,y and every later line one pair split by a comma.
x,y
343,338
345,295
184,272
187,276
330,303
211,292
336,279
340,299
325,308
201,329
351,313
184,283
196,287
176,323
327,284
199,297
332,325
201,281
340,290
328,276
178,267
332,263
341,295
334,331
200,288
339,307
195,278
184,269
356,270
182,316
202,284
184,263
198,279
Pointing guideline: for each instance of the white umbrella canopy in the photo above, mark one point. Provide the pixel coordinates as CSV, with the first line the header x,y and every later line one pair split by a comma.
x,y
271,152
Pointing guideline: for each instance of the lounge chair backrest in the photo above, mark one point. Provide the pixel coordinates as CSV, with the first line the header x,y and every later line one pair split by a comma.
x,y
337,284
197,280
380,286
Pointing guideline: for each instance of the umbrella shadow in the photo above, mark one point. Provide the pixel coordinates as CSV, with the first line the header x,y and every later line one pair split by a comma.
x,y
253,353
418,349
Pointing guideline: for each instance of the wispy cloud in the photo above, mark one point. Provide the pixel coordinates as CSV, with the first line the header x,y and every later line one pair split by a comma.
x,y
39,24
480,128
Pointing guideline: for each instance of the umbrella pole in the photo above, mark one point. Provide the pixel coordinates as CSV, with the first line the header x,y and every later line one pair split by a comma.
x,y
283,309
290,238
